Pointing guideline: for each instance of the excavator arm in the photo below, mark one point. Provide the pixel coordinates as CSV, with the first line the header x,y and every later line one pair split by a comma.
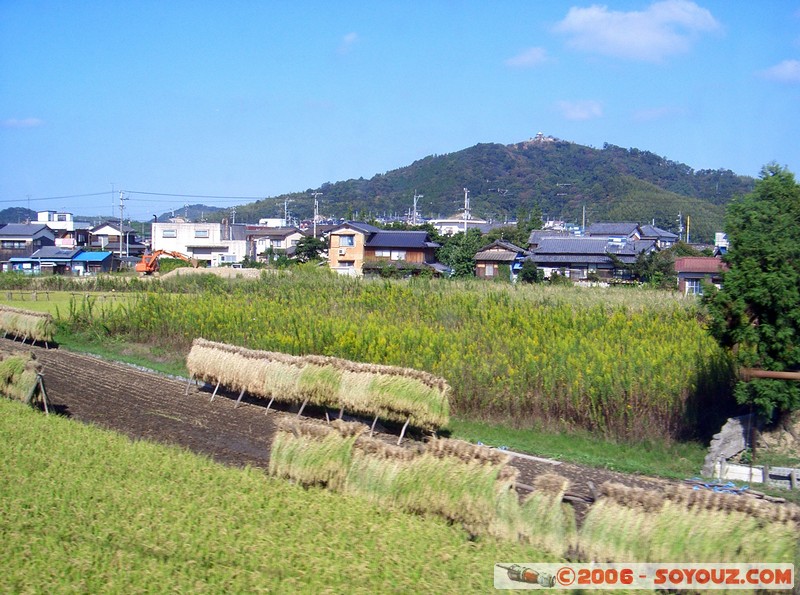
x,y
149,263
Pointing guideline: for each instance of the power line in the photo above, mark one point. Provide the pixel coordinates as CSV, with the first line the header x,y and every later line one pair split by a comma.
x,y
196,195
59,197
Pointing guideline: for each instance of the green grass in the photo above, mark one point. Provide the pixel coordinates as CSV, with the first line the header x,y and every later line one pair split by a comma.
x,y
661,459
85,510
54,302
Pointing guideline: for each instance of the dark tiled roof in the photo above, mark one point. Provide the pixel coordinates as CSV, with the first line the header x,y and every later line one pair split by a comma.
x,y
571,245
400,239
571,259
651,231
538,234
56,252
22,229
612,229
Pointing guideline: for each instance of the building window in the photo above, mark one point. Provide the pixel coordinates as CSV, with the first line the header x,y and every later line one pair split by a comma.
x,y
383,253
201,233
489,270
13,244
398,254
347,263
694,287
61,217
169,233
277,243
347,241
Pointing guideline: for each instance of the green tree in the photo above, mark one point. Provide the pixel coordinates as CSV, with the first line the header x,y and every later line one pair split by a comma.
x,y
309,248
458,252
757,312
530,273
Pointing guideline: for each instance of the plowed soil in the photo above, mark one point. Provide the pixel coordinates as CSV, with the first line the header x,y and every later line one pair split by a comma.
x,y
147,405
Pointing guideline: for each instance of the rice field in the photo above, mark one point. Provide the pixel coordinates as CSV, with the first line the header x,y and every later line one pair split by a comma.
x,y
89,511
622,363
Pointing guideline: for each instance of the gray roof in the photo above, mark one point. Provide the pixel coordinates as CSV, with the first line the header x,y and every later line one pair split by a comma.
x,y
626,229
364,228
500,251
588,250
23,229
400,239
538,234
274,232
571,245
651,231
57,253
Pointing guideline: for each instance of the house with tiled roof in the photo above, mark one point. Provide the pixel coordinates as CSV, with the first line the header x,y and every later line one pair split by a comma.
x,y
265,241
662,237
585,257
355,248
23,239
618,231
499,258
694,271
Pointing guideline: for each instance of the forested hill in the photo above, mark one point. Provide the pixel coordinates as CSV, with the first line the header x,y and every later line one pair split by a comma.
x,y
561,178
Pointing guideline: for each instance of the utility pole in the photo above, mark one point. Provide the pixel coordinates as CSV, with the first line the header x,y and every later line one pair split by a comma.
x,y
414,214
687,228
316,210
583,223
467,215
122,200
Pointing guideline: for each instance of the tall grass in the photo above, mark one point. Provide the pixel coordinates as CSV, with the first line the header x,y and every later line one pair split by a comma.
x,y
617,362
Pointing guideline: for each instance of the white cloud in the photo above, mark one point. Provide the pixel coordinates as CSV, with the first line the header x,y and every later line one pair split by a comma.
x,y
787,71
580,110
23,123
348,41
663,29
528,59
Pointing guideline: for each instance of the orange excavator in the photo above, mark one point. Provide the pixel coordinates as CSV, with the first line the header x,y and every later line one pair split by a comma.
x,y
149,263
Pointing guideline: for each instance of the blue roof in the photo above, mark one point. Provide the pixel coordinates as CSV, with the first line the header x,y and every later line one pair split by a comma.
x,y
92,256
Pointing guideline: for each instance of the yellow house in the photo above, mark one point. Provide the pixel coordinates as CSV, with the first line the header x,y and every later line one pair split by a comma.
x,y
353,245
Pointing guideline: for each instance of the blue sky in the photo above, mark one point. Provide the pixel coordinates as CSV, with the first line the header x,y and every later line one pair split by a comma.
x,y
255,99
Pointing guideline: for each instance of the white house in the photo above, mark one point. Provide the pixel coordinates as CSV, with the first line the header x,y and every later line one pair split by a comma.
x,y
213,243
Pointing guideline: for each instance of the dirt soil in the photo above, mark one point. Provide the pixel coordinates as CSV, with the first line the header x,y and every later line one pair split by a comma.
x,y
147,405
